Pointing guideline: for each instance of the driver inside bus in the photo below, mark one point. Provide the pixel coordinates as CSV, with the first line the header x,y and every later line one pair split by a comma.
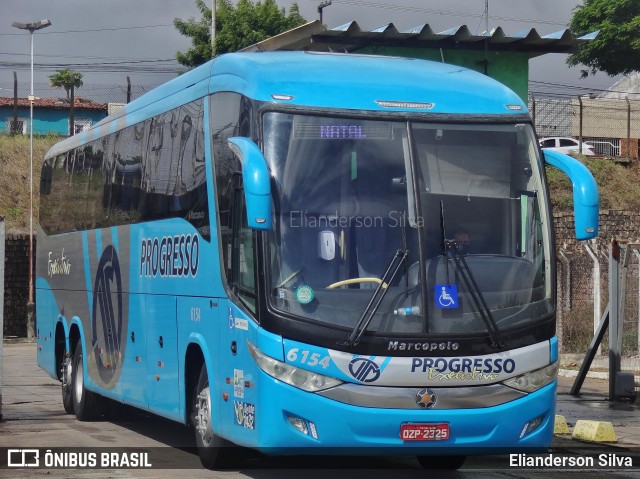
x,y
462,237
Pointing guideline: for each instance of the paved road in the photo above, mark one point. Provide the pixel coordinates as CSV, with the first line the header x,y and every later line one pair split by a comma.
x,y
34,418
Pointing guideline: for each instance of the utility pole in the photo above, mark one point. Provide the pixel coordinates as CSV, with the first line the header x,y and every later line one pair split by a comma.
x,y
213,27
31,27
14,126
322,6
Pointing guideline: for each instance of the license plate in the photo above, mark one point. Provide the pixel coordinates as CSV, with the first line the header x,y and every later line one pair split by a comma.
x,y
424,432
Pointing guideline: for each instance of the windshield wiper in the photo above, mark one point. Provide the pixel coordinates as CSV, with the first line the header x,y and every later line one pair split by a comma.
x,y
452,247
376,298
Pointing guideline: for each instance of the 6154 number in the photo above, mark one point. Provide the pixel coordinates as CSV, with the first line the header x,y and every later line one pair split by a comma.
x,y
308,358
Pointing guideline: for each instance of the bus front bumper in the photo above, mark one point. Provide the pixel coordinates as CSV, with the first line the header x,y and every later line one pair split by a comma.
x,y
291,421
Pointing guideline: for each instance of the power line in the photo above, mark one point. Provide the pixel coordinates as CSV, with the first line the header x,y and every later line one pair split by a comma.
x,y
579,87
85,57
93,30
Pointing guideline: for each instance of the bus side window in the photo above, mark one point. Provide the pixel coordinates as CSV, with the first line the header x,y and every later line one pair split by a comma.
x,y
243,264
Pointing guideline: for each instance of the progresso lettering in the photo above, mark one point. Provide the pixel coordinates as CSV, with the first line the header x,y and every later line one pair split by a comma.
x,y
170,256
463,365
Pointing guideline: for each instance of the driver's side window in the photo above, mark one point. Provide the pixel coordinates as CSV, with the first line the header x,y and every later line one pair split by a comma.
x,y
243,264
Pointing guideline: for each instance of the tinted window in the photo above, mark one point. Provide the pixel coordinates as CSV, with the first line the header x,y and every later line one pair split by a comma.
x,y
568,142
149,171
233,115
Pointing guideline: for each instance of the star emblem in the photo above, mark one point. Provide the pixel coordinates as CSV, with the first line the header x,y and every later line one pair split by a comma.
x,y
426,398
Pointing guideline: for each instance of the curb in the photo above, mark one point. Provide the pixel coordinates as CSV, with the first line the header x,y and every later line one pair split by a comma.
x,y
570,373
585,430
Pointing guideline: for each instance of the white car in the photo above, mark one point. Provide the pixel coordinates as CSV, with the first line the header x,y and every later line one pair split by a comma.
x,y
566,145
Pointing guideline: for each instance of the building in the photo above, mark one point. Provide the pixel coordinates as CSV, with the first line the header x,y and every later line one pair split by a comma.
x,y
498,55
50,115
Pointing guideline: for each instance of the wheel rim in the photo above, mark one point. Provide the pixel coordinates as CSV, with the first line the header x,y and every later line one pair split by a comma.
x,y
78,384
67,367
203,416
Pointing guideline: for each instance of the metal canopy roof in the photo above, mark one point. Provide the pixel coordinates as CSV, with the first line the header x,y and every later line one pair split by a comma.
x,y
350,37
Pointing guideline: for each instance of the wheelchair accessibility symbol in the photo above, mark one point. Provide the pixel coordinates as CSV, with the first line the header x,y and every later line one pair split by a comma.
x,y
446,296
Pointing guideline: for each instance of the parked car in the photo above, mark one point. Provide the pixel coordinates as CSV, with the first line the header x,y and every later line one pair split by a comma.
x,y
566,145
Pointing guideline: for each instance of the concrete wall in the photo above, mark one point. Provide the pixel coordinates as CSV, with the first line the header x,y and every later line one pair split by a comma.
x,y
606,118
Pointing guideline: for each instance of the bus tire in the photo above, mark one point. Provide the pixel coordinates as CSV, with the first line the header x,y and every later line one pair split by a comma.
x,y
86,404
441,462
66,374
214,451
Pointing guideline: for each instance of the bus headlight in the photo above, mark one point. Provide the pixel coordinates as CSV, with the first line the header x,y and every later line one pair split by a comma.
x,y
534,380
297,377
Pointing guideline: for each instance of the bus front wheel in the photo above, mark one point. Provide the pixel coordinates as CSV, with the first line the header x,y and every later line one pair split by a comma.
x,y
214,451
86,404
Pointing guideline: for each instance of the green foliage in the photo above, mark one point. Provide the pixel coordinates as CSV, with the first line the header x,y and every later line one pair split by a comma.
x,y
616,49
66,79
237,27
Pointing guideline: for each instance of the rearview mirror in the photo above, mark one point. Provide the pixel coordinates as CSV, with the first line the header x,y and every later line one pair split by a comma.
x,y
585,193
256,180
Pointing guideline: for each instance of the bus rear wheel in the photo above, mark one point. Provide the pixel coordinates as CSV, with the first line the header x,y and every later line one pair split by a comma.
x,y
66,372
86,404
441,462
214,451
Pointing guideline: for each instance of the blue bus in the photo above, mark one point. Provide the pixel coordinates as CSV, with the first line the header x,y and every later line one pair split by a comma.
x,y
307,253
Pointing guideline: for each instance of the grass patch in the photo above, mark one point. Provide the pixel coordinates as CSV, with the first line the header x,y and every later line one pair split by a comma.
x,y
617,183
14,178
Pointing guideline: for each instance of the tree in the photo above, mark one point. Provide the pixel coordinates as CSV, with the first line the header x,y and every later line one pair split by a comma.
x,y
69,80
236,27
616,49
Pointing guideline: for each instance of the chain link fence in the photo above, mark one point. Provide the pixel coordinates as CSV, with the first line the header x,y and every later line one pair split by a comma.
x,y
95,92
612,126
583,284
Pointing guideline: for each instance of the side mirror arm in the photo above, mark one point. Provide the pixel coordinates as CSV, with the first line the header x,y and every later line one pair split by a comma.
x,y
585,193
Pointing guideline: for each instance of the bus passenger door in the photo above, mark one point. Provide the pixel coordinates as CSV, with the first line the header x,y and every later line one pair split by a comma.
x,y
162,356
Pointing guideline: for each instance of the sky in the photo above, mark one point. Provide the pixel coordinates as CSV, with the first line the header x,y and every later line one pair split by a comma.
x,y
108,40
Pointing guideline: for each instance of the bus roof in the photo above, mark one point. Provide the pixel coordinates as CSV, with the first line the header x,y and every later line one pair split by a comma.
x,y
356,82
322,80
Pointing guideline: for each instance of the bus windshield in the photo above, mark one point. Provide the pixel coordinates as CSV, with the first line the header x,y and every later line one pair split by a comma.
x,y
349,193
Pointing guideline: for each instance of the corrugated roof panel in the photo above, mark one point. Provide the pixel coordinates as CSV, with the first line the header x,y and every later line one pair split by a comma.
x,y
351,37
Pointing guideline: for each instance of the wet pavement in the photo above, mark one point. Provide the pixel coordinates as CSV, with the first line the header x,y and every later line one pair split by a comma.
x,y
593,404
34,417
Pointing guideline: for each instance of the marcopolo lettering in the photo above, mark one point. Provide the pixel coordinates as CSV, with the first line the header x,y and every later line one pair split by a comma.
x,y
464,365
422,346
170,256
